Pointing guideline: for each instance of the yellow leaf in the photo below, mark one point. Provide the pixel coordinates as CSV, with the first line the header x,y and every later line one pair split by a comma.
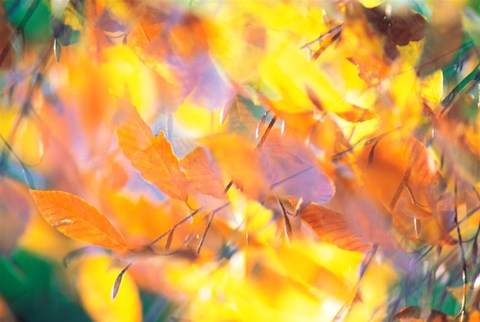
x,y
371,3
196,119
95,281
287,85
74,217
431,87
27,142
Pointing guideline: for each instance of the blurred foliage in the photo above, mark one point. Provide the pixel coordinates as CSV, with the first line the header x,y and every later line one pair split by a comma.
x,y
228,160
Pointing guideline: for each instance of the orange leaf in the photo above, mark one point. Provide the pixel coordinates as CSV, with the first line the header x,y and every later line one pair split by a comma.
x,y
332,227
238,161
133,135
356,114
159,165
76,218
397,168
202,174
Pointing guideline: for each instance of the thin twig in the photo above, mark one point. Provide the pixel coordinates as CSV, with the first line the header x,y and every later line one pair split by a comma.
x,y
463,312
202,241
367,261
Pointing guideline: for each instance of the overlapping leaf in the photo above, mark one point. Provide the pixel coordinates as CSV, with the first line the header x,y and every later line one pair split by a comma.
x,y
153,156
133,135
332,227
202,173
158,164
291,169
239,162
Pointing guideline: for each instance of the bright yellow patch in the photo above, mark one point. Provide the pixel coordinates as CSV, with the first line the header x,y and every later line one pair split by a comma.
x,y
95,281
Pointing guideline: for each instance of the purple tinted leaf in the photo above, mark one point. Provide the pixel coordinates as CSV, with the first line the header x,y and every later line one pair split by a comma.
x,y
292,170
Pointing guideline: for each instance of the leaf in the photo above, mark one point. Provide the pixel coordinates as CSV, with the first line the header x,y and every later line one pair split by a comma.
x,y
367,50
77,219
82,252
118,281
108,23
291,169
396,167
112,28
444,37
415,313
286,84
168,243
239,161
95,280
63,33
474,316
399,27
332,227
242,116
133,135
459,160
356,114
57,49
159,165
365,216
202,173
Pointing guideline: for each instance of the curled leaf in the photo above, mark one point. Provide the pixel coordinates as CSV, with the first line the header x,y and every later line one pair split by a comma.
x,y
118,281
78,253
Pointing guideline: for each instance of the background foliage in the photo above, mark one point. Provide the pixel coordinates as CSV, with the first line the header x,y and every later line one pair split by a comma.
x,y
239,160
